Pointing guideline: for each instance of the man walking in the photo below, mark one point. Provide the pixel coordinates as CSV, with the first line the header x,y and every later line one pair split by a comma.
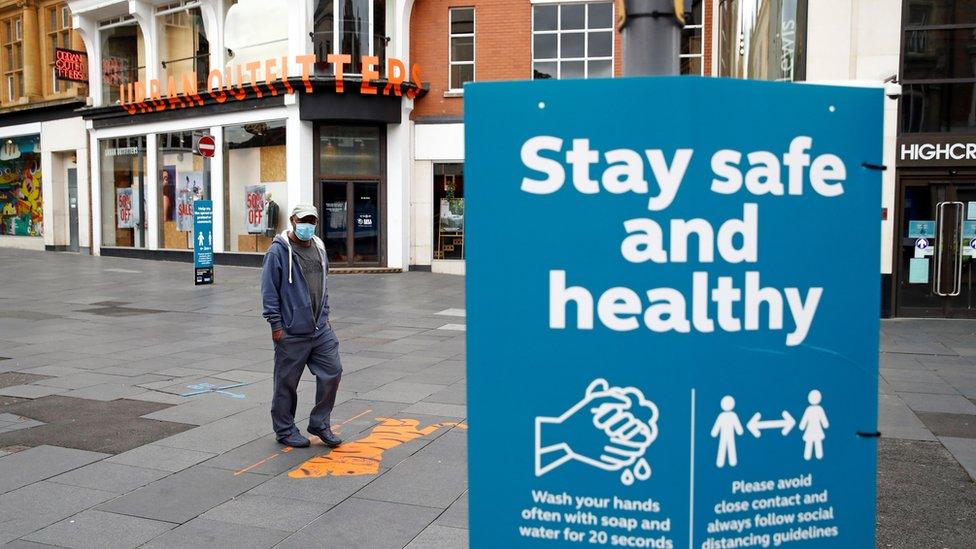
x,y
296,303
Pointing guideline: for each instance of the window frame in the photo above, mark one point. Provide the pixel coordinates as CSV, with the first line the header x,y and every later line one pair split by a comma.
x,y
907,32
163,15
353,69
586,30
108,25
12,40
63,35
700,55
450,48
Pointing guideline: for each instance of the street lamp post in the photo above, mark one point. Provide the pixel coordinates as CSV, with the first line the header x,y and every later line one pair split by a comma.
x,y
651,31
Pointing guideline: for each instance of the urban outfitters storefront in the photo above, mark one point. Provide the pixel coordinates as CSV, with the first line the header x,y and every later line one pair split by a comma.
x,y
254,142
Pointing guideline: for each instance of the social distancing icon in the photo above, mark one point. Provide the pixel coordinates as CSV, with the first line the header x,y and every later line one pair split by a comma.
x,y
727,427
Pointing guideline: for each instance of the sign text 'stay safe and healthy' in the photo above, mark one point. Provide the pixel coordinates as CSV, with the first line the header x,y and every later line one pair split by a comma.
x,y
736,303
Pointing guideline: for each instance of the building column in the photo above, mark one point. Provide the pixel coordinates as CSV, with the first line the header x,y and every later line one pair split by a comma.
x,y
86,30
34,68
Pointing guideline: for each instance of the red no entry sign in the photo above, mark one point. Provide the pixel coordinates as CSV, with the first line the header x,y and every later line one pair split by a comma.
x,y
207,147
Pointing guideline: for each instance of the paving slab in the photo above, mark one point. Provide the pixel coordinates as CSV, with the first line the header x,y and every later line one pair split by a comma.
x,y
202,409
222,435
30,391
951,404
163,458
437,409
400,391
41,504
440,537
329,490
183,495
455,394
964,451
264,456
202,533
364,523
272,512
97,529
456,516
105,392
43,462
110,477
436,476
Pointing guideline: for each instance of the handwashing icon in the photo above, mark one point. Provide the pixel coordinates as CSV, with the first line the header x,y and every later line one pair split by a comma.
x,y
610,429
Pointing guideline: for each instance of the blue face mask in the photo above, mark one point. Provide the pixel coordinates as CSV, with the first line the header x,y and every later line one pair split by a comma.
x,y
304,231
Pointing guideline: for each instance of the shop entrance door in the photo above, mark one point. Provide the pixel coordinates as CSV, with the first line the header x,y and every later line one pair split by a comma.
x,y
73,243
350,222
938,245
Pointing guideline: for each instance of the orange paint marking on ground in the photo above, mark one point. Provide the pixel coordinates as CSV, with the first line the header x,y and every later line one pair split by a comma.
x,y
363,456
289,448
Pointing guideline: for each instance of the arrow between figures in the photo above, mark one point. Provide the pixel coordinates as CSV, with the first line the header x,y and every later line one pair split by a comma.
x,y
756,425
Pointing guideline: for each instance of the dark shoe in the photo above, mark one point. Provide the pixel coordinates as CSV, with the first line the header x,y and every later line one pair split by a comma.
x,y
327,436
295,440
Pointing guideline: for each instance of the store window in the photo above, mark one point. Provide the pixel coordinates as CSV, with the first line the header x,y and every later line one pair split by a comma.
x,y
21,212
184,177
692,44
572,40
12,63
448,211
57,31
353,27
763,39
255,185
123,196
123,56
462,47
939,67
184,48
256,30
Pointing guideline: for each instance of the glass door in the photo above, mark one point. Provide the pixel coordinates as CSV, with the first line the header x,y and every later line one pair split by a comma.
x,y
937,251
351,222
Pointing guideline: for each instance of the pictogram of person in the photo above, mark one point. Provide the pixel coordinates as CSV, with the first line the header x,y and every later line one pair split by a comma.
x,y
813,423
727,427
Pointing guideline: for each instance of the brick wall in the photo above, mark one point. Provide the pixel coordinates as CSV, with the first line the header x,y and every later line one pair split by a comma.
x,y
708,18
503,48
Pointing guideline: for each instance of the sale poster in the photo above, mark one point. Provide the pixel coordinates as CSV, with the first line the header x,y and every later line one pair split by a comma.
x,y
189,187
255,202
127,213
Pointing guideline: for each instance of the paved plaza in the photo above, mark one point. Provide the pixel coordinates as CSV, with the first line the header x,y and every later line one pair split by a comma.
x,y
134,411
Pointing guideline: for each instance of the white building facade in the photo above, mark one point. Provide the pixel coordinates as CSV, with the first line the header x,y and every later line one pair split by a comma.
x,y
305,101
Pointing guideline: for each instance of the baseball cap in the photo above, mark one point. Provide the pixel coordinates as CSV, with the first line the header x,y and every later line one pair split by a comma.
x,y
305,210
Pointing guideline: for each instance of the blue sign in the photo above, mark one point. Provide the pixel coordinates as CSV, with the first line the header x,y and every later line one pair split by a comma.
x,y
921,229
203,251
656,364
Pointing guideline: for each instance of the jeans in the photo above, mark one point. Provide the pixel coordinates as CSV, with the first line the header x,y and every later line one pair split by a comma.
x,y
292,353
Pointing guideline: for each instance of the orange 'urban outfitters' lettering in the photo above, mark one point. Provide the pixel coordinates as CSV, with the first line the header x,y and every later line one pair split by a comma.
x,y
253,78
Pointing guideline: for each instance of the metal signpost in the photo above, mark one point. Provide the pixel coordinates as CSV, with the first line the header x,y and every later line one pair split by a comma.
x,y
203,252
668,370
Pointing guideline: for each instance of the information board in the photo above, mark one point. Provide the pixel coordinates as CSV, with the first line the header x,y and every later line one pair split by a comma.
x,y
203,251
659,365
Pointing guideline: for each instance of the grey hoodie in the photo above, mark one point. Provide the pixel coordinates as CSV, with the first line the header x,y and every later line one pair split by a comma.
x,y
284,291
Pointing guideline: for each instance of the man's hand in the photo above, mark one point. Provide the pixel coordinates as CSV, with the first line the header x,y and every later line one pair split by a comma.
x,y
276,335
